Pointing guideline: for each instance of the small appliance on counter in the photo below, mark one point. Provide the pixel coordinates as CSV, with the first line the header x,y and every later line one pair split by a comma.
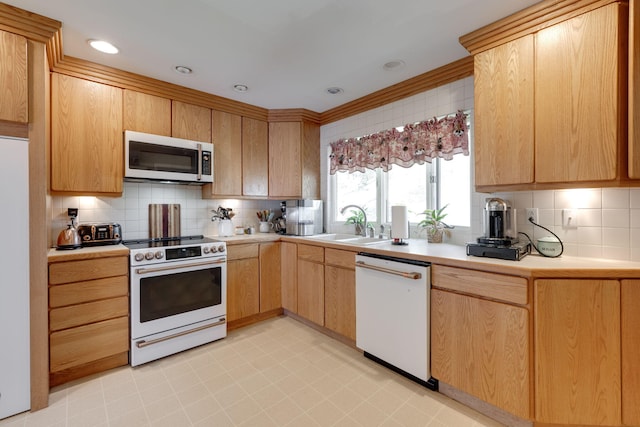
x,y
303,217
69,238
500,239
94,234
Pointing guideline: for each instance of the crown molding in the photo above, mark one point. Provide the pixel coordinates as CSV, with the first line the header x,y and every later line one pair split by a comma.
x,y
30,25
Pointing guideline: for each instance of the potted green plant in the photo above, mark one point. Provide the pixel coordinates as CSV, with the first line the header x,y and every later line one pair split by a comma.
x,y
356,218
433,224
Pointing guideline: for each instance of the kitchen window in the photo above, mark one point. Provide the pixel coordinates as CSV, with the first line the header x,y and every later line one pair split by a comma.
x,y
420,187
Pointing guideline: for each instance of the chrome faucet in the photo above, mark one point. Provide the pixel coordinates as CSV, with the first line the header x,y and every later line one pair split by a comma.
x,y
364,226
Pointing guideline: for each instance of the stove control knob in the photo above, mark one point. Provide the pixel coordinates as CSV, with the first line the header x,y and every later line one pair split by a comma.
x,y
149,256
213,249
159,255
205,250
221,248
139,256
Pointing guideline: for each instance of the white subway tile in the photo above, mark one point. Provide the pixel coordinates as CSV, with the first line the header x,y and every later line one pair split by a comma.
x,y
590,236
634,215
618,237
615,198
589,217
615,218
543,199
634,198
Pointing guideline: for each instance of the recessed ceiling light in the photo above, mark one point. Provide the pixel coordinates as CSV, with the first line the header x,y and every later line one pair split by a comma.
x,y
240,88
335,90
103,46
393,65
183,69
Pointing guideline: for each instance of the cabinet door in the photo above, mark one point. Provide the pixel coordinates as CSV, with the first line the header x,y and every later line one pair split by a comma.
x,y
340,300
634,90
289,271
311,291
285,168
86,136
227,154
255,157
577,95
503,90
243,294
147,113
191,122
577,357
14,105
270,264
482,348
630,330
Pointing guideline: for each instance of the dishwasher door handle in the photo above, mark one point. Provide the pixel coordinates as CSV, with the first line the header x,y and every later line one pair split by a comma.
x,y
408,275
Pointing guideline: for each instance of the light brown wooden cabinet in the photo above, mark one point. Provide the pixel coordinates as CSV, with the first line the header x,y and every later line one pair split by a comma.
x,y
634,90
294,160
86,136
243,281
255,157
480,337
227,157
88,317
147,113
577,357
630,348
190,121
14,102
340,292
289,276
310,283
541,121
270,273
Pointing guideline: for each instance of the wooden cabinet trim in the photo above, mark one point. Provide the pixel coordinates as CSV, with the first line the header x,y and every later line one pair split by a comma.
x,y
14,104
91,290
91,312
501,287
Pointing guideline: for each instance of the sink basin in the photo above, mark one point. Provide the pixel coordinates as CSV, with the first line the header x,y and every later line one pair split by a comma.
x,y
348,238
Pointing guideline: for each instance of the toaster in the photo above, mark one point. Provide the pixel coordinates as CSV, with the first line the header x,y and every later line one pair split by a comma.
x,y
94,234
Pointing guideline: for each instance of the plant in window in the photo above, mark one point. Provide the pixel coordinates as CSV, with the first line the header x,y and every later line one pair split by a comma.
x,y
356,218
433,224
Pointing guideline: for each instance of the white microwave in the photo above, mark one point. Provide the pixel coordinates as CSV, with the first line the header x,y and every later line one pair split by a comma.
x,y
163,158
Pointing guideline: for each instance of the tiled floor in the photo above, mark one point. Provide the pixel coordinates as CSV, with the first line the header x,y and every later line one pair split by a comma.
x,y
275,373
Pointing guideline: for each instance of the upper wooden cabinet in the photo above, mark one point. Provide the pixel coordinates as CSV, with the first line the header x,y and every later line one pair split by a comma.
x,y
294,160
255,157
86,136
227,154
503,90
14,105
550,105
191,122
147,113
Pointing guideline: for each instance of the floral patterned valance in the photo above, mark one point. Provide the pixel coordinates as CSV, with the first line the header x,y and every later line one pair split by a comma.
x,y
415,144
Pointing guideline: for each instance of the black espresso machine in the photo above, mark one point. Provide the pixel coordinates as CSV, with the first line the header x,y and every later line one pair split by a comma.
x,y
500,238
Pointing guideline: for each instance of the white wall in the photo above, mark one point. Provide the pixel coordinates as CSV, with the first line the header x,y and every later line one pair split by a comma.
x,y
608,218
131,210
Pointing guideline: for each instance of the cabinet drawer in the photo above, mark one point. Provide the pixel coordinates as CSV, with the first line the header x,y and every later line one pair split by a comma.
x,y
82,314
77,271
242,251
91,290
311,253
84,344
490,285
340,258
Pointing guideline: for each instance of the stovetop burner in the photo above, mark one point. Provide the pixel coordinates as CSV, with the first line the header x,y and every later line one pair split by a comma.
x,y
162,242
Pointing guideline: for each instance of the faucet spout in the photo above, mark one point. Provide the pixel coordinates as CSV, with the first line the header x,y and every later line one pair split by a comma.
x,y
364,215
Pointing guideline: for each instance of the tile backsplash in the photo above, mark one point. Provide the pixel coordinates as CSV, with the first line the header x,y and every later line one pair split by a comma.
x,y
131,210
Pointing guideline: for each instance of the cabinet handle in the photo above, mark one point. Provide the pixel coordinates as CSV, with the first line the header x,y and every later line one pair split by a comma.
x,y
143,343
173,267
199,177
408,275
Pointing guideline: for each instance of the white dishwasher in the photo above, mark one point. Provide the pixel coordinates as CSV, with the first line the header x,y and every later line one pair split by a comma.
x,y
392,314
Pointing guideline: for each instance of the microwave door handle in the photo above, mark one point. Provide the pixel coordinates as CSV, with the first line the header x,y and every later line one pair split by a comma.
x,y
199,177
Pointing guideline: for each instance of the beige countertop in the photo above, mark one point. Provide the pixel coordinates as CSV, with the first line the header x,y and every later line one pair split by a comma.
x,y
248,238
55,255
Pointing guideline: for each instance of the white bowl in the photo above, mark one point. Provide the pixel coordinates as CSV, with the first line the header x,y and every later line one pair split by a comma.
x,y
549,246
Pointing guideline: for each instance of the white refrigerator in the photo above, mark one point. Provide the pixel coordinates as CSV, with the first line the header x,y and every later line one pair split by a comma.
x,y
15,387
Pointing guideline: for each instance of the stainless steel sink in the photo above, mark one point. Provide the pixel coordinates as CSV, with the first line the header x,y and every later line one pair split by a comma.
x,y
349,238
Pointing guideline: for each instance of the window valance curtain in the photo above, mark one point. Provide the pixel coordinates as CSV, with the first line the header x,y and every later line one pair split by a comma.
x,y
415,144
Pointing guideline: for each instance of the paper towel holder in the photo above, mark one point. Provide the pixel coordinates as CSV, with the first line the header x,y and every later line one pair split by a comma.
x,y
399,231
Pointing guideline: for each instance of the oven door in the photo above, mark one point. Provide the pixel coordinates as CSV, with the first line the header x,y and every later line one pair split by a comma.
x,y
172,295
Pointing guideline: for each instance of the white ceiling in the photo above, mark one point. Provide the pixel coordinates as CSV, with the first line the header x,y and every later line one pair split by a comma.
x,y
287,51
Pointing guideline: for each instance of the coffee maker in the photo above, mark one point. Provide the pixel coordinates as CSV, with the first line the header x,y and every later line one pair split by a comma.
x,y
500,237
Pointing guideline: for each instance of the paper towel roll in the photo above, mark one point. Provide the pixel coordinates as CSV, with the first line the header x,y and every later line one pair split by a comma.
x,y
399,222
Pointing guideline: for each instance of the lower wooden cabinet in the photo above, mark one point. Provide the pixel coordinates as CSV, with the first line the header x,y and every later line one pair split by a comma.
x,y
577,357
340,292
311,283
630,335
270,287
243,281
289,276
88,316
482,348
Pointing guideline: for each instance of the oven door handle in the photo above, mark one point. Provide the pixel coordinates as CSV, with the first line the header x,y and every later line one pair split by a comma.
x,y
173,267
143,343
